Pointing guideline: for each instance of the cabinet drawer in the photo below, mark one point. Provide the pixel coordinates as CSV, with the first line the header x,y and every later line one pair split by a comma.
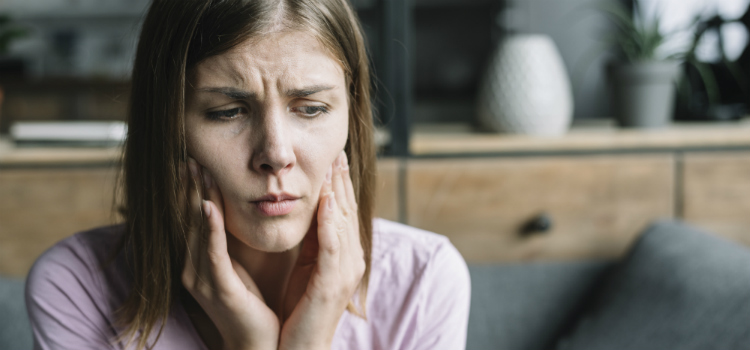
x,y
717,193
598,204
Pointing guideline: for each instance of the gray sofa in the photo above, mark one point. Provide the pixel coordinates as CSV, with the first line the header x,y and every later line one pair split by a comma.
x,y
678,288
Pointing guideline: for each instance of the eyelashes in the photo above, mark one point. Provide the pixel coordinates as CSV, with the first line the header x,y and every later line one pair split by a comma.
x,y
226,114
234,113
310,111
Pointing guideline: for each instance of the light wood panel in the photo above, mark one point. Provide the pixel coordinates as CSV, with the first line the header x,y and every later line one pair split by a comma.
x,y
598,204
386,194
717,193
39,207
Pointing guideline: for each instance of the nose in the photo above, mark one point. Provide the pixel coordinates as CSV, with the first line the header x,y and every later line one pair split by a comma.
x,y
274,151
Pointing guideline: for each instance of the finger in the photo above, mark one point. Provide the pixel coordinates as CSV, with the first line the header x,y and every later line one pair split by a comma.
x,y
308,254
246,279
326,188
348,186
218,261
309,248
353,222
192,262
212,191
337,182
328,237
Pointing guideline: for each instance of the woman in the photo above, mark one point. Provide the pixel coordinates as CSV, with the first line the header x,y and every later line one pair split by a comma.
x,y
249,183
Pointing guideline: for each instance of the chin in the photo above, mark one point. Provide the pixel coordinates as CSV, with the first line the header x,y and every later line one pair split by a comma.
x,y
272,235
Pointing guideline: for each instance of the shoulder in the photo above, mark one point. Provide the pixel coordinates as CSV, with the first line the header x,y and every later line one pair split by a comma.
x,y
73,289
414,249
419,288
410,260
82,254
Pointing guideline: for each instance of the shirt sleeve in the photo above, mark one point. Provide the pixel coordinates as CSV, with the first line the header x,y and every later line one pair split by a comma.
x,y
446,297
65,302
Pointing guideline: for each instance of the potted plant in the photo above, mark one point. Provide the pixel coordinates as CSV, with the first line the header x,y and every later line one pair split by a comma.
x,y
642,80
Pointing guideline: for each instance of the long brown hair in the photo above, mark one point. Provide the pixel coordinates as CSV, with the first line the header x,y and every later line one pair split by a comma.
x,y
176,35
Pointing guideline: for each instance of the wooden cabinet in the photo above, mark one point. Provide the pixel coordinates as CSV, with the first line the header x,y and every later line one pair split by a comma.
x,y
44,201
596,204
716,193
599,188
387,190
39,207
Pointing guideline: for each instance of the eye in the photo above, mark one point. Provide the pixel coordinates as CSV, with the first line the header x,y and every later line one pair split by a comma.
x,y
226,114
310,111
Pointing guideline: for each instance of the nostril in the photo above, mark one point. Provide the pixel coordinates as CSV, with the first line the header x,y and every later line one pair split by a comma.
x,y
266,167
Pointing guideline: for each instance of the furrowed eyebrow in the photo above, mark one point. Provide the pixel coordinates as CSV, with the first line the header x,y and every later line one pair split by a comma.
x,y
307,91
232,93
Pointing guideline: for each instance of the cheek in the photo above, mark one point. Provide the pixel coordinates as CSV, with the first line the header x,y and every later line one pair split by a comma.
x,y
208,150
321,147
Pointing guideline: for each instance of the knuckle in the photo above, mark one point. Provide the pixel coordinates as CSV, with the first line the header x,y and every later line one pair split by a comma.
x,y
341,228
214,256
333,248
330,222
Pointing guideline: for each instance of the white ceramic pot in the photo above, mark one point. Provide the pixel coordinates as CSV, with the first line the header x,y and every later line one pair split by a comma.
x,y
526,89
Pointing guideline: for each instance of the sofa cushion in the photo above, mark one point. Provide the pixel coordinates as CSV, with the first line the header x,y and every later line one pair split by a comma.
x,y
522,306
678,288
15,331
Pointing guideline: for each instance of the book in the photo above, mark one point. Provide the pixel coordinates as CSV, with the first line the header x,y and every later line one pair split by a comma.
x,y
69,133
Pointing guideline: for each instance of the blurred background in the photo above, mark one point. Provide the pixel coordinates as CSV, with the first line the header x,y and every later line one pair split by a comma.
x,y
501,123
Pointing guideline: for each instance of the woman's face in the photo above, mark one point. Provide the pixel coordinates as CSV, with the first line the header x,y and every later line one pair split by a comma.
x,y
266,120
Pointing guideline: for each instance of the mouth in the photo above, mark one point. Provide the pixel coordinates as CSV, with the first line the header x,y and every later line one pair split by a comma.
x,y
275,204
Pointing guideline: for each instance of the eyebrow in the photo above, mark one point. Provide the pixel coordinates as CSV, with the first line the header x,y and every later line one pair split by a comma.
x,y
238,94
307,91
232,93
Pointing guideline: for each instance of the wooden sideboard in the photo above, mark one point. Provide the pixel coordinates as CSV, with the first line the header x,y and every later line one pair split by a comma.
x,y
599,187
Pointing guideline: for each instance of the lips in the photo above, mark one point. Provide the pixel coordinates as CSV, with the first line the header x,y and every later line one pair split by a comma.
x,y
275,204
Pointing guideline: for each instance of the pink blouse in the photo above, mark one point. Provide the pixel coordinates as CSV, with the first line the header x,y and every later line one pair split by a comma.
x,y
418,295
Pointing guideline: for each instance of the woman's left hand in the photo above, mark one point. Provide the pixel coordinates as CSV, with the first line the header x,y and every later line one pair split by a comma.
x,y
329,268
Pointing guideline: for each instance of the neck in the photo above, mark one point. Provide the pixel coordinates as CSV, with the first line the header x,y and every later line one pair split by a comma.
x,y
269,271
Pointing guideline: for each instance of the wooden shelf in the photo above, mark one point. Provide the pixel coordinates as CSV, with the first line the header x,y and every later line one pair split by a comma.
x,y
454,140
11,156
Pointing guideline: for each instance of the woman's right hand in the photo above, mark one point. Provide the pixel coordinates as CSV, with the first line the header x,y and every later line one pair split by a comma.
x,y
221,286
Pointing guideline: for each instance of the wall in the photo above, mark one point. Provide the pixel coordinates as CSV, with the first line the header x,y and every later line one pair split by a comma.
x,y
578,30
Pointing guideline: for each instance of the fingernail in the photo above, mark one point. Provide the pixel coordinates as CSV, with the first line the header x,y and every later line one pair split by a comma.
x,y
193,167
339,161
329,173
207,183
331,200
206,209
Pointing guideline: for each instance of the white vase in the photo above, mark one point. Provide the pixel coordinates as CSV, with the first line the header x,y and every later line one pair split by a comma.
x,y
526,89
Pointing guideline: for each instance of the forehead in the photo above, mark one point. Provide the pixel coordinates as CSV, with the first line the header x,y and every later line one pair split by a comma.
x,y
291,57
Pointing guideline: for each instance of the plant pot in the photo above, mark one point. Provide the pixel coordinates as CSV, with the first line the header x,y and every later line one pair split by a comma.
x,y
526,89
643,93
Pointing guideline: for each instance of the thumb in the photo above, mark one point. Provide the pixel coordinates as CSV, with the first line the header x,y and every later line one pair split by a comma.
x,y
309,248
